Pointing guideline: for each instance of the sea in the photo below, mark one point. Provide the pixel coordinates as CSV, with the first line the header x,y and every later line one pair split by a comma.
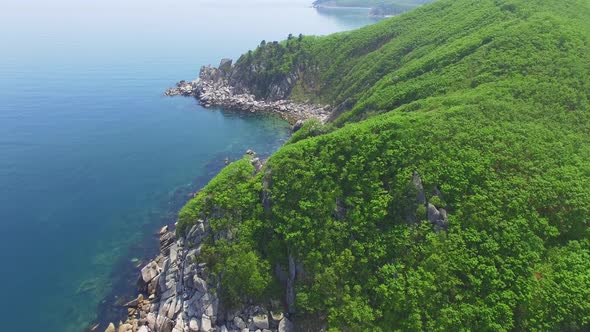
x,y
94,159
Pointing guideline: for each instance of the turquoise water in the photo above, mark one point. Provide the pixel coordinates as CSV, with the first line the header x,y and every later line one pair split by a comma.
x,y
92,158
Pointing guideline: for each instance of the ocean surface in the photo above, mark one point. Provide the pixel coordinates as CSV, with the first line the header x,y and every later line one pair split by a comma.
x,y
93,159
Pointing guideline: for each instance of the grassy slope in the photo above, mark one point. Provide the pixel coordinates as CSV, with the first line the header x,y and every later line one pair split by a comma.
x,y
488,101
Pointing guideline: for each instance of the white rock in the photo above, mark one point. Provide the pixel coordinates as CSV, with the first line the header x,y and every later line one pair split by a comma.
x,y
110,328
276,316
151,320
194,324
173,252
179,324
149,272
209,311
172,309
163,230
205,323
125,327
143,328
200,284
261,321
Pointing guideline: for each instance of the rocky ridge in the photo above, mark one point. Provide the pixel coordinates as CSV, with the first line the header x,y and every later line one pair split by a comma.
x,y
176,294
215,87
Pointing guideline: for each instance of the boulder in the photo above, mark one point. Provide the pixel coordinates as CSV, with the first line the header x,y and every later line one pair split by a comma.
x,y
172,309
433,214
298,125
173,252
166,325
151,321
210,310
239,323
200,284
149,272
135,302
417,183
205,323
110,328
143,329
163,230
193,325
180,326
277,316
438,217
285,325
261,321
125,327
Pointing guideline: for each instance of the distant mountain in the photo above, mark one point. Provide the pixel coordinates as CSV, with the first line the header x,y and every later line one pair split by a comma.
x,y
378,7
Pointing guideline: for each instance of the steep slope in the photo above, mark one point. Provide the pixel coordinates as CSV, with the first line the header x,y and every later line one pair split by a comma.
x,y
453,192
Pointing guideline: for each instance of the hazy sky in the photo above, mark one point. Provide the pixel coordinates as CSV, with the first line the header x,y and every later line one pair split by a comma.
x,y
29,28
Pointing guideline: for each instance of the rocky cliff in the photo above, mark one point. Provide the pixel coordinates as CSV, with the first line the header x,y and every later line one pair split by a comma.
x,y
235,88
177,294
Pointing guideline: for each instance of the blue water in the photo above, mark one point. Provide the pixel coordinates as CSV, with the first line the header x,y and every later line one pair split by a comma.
x,y
92,157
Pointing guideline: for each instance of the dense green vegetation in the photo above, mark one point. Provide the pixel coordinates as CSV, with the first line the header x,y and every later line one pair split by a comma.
x,y
489,101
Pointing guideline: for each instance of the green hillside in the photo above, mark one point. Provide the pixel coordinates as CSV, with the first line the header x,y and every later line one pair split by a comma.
x,y
488,101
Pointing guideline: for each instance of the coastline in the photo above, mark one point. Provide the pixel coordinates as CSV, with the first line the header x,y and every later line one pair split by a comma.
x,y
342,7
125,309
172,292
175,293
127,270
213,88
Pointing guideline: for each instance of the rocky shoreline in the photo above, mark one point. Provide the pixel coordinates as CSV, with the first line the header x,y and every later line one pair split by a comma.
x,y
213,89
176,294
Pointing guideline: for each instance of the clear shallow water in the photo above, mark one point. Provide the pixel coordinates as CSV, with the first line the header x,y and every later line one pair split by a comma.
x,y
92,157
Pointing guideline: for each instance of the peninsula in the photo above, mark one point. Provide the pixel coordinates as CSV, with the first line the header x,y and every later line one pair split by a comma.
x,y
448,187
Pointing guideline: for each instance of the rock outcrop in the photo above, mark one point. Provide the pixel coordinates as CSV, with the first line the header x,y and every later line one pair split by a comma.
x,y
435,215
216,87
176,293
179,295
